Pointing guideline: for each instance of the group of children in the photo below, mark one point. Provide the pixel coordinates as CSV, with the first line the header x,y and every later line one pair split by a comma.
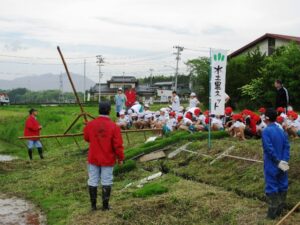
x,y
246,124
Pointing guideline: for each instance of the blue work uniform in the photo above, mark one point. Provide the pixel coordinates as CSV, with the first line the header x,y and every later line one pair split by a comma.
x,y
276,148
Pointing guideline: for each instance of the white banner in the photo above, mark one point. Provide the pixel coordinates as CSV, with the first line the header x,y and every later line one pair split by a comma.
x,y
218,63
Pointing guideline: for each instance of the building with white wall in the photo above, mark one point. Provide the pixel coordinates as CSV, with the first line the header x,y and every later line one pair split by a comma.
x,y
266,44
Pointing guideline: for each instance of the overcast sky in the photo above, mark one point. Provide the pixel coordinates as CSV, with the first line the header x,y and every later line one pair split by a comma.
x,y
132,35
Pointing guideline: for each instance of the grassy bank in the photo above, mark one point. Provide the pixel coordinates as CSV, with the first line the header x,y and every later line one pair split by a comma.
x,y
190,192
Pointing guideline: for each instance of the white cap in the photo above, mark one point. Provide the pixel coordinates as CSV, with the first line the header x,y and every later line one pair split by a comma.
x,y
122,112
193,94
120,89
181,108
147,105
157,113
133,114
130,111
163,109
136,103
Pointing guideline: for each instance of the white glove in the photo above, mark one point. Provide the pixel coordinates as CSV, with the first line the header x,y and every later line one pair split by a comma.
x,y
283,165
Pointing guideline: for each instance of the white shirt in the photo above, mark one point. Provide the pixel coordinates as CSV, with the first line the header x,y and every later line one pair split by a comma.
x,y
295,124
137,108
238,124
193,102
171,123
187,121
175,103
261,126
202,119
218,122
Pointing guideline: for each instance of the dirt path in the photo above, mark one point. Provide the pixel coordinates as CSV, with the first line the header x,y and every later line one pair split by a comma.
x,y
15,211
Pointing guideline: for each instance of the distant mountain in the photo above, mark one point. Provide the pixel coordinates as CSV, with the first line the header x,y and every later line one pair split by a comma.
x,y
46,82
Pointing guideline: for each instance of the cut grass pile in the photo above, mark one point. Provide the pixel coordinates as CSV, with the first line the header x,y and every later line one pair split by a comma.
x,y
150,190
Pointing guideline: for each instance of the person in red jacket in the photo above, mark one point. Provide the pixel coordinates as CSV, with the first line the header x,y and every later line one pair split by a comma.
x,y
105,149
32,128
131,97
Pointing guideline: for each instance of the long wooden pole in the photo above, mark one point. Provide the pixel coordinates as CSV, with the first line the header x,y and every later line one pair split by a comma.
x,y
81,134
288,214
72,84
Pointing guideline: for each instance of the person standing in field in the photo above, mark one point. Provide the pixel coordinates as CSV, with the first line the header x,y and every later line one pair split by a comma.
x,y
131,97
105,148
282,95
120,100
276,156
33,128
194,102
175,102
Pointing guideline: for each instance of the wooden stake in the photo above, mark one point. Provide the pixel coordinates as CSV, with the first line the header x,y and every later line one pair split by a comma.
x,y
288,214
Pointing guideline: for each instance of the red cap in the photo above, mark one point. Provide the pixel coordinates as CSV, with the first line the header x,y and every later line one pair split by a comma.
x,y
172,114
237,117
262,110
189,116
246,112
294,115
280,109
279,119
197,111
228,110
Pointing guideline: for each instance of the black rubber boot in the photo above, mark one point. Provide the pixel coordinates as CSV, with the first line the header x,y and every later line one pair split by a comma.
x,y
40,150
30,153
106,190
93,197
282,204
274,202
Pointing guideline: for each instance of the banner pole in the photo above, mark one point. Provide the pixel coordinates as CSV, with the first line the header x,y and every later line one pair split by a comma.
x,y
209,102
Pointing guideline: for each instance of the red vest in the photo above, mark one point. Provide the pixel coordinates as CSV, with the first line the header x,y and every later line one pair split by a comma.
x,y
106,142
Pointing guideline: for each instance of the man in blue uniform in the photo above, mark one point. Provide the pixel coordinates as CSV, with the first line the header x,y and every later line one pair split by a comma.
x,y
276,156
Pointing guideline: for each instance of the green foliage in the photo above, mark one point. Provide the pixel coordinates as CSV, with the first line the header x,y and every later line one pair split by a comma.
x,y
241,71
199,70
150,190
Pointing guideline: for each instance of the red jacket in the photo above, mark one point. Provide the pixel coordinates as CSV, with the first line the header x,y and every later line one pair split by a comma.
x,y
131,97
32,128
106,142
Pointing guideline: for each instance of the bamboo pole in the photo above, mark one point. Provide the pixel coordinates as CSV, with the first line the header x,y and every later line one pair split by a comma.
x,y
81,134
288,214
242,158
72,84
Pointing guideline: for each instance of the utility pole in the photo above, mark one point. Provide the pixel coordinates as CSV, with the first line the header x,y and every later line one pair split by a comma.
x,y
100,61
151,75
84,80
123,82
179,49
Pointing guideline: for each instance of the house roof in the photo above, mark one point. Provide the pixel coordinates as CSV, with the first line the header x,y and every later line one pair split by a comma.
x,y
121,79
262,38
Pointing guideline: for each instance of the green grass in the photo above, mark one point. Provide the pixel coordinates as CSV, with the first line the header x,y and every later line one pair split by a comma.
x,y
150,190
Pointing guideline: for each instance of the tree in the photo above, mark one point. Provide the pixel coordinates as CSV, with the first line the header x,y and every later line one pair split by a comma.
x,y
199,70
